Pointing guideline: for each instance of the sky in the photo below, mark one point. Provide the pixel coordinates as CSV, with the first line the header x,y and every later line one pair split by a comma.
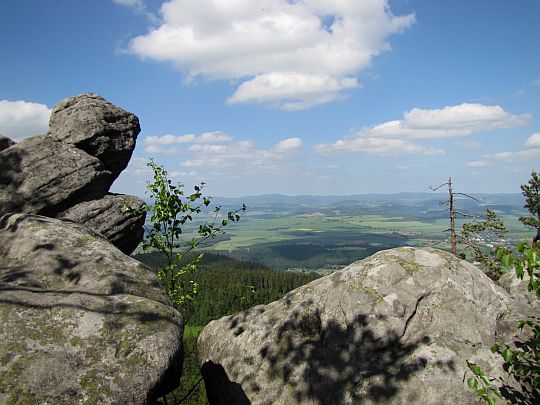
x,y
291,96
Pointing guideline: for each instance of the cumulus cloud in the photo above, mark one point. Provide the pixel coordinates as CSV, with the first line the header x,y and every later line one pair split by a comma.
x,y
302,90
377,146
534,140
477,163
21,119
287,145
399,137
291,54
451,121
162,144
225,152
507,157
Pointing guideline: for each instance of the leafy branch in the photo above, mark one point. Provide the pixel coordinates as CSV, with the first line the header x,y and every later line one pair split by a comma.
x,y
171,210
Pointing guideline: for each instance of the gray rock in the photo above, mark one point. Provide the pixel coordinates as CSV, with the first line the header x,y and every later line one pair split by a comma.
x,y
108,216
5,142
81,321
42,176
67,172
395,328
98,127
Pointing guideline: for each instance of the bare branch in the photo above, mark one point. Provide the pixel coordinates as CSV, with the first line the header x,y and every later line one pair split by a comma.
x,y
436,188
468,215
468,196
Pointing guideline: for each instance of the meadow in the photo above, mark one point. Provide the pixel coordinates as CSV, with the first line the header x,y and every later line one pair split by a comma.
x,y
322,234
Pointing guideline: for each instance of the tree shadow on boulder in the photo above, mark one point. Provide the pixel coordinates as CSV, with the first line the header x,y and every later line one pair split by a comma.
x,y
338,363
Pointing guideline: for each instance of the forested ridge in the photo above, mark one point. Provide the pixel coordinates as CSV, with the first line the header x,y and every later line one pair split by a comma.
x,y
228,285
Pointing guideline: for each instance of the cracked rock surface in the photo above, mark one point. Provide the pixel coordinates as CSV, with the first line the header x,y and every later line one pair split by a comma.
x,y
395,328
68,172
81,322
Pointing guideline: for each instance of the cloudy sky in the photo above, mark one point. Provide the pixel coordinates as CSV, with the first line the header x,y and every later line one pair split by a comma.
x,y
291,96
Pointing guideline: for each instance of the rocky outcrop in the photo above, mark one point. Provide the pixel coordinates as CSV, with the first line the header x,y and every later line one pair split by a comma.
x,y
108,217
72,168
81,321
98,127
395,328
5,142
39,175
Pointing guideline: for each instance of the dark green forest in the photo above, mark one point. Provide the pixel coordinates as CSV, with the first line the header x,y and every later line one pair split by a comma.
x,y
226,286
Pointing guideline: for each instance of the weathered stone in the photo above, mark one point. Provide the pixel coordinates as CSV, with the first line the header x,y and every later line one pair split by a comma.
x,y
5,142
68,171
81,321
397,327
108,216
98,127
42,176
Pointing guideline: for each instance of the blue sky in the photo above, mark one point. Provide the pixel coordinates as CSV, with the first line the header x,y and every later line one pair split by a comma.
x,y
291,97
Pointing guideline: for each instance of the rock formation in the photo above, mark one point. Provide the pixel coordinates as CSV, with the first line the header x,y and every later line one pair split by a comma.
x,y
5,142
108,217
68,172
98,127
395,328
81,321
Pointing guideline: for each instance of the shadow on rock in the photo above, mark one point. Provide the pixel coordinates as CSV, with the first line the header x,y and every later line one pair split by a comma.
x,y
219,388
335,361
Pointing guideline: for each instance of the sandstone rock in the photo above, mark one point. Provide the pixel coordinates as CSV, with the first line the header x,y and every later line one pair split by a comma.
x,y
395,328
5,142
98,127
68,171
81,321
42,176
108,217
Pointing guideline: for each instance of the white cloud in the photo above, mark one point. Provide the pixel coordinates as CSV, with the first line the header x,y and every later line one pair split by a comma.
x,y
137,4
21,119
139,7
287,145
393,138
292,91
536,82
534,140
225,153
292,54
507,157
451,121
377,146
138,167
206,137
178,174
477,163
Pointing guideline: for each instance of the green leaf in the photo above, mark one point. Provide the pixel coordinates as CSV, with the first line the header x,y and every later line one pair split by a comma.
x,y
472,383
506,261
507,355
490,400
475,369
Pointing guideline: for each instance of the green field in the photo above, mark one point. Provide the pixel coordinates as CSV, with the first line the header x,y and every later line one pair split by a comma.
x,y
324,233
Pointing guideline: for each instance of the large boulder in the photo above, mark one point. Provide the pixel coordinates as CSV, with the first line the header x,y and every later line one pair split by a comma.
x,y
69,172
108,216
81,321
39,175
98,127
397,327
